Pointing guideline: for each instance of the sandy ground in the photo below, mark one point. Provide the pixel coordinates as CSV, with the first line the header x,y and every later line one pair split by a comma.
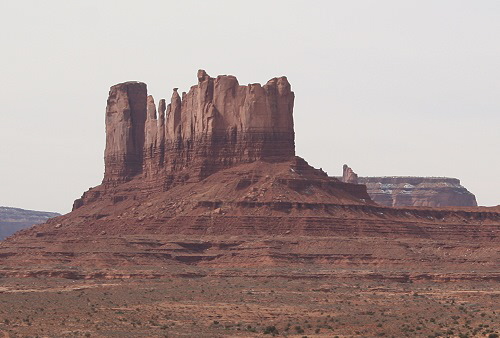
x,y
246,307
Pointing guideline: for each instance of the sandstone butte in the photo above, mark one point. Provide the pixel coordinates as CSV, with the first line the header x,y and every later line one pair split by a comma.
x,y
210,183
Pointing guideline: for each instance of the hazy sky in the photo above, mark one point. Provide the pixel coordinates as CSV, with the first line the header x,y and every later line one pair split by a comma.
x,y
389,87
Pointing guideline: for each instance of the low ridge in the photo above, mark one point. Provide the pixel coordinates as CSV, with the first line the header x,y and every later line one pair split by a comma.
x,y
14,219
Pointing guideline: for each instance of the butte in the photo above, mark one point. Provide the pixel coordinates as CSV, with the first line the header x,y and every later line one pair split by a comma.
x,y
210,183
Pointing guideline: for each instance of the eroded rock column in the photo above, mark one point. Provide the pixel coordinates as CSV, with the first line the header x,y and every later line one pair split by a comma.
x,y
125,120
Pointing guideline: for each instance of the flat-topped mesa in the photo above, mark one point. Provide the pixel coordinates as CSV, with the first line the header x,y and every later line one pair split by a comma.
x,y
217,124
400,191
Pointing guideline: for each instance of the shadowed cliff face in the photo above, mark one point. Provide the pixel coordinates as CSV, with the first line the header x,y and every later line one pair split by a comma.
x,y
217,124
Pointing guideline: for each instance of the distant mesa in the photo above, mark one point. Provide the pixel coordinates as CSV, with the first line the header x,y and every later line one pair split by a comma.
x,y
402,191
15,219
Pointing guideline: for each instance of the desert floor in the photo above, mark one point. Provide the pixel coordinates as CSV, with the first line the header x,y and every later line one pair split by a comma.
x,y
245,307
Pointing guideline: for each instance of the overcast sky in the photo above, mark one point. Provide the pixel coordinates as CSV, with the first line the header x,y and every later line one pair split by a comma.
x,y
388,87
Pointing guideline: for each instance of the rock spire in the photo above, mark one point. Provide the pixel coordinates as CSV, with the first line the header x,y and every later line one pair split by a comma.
x,y
348,175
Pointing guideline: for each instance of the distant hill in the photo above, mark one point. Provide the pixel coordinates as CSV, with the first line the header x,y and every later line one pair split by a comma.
x,y
14,219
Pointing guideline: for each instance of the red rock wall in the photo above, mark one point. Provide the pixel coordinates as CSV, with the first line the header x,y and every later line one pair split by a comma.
x,y
125,118
217,124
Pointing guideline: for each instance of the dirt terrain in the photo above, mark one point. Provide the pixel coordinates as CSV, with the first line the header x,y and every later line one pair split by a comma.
x,y
234,306
260,248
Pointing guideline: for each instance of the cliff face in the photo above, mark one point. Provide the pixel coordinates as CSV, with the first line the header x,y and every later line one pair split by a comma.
x,y
218,123
418,191
125,119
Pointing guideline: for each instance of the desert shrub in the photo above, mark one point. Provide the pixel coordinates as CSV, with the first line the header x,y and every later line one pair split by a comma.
x,y
271,330
251,329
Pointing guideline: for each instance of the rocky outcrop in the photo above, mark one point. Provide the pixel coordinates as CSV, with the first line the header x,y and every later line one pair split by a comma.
x,y
14,219
125,120
399,191
218,123
348,175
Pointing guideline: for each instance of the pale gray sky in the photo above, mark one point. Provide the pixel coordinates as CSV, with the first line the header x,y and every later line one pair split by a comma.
x,y
389,87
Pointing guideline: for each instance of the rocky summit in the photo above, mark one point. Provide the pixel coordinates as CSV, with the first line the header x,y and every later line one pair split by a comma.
x,y
207,223
217,124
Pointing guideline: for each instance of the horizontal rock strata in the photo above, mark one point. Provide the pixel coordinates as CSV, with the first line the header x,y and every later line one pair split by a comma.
x,y
209,184
405,191
218,123
418,191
